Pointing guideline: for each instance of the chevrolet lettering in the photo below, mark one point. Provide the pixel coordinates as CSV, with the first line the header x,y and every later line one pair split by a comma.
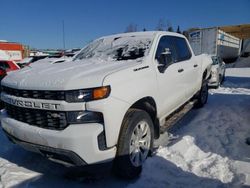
x,y
29,104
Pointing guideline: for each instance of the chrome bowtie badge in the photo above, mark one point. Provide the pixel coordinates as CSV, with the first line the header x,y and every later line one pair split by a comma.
x,y
55,115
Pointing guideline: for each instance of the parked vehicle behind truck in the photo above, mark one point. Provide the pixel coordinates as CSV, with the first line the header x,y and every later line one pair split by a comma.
x,y
109,103
15,51
6,64
217,72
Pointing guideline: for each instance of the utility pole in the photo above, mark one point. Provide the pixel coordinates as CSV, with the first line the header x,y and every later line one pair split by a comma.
x,y
63,32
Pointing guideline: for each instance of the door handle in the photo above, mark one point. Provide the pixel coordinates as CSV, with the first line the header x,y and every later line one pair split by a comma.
x,y
195,65
180,70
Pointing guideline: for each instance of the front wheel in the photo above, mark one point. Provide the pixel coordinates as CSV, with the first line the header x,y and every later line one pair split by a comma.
x,y
135,143
203,95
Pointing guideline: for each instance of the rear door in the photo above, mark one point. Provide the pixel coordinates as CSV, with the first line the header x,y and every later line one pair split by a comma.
x,y
189,66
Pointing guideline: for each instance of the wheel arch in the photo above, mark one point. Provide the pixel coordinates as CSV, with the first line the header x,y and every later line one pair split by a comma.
x,y
148,105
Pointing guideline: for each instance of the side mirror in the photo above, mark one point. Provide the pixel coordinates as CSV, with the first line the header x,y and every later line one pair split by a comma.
x,y
165,59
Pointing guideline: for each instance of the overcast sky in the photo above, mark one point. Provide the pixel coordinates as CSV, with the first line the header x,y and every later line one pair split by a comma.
x,y
38,23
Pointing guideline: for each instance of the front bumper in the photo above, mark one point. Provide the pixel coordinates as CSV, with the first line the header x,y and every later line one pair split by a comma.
x,y
78,142
213,81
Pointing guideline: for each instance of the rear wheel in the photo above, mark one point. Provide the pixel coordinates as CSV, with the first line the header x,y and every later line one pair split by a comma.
x,y
203,95
135,143
223,77
219,81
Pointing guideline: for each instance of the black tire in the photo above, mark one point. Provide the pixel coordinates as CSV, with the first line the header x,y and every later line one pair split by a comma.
x,y
219,82
1,105
223,78
217,85
202,95
123,165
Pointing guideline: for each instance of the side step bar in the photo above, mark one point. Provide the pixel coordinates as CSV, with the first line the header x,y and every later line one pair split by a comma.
x,y
174,117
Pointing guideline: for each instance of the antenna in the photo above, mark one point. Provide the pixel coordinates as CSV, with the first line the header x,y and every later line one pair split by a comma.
x,y
63,32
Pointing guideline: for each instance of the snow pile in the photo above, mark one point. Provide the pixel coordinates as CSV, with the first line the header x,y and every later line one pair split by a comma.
x,y
184,164
232,91
238,72
11,175
189,157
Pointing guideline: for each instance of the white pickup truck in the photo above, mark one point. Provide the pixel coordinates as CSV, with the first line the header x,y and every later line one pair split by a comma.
x,y
109,103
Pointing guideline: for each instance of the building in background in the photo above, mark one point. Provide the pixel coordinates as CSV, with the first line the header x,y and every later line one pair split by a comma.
x,y
16,51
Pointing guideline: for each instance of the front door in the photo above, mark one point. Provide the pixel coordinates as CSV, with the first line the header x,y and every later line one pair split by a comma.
x,y
171,80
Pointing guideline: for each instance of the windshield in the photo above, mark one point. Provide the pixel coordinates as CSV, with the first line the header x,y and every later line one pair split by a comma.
x,y
215,60
117,48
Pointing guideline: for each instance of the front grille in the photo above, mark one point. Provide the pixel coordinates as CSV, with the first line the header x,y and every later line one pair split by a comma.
x,y
40,118
35,94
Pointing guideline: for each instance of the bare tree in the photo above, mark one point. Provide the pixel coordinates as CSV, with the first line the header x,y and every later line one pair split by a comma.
x,y
169,26
131,28
161,26
178,30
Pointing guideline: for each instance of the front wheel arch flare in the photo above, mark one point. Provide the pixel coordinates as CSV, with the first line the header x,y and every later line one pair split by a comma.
x,y
148,105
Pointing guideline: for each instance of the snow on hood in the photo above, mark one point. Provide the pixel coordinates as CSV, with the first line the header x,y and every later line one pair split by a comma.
x,y
64,76
51,60
88,68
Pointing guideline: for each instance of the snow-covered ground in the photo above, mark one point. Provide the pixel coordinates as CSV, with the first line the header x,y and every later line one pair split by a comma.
x,y
207,149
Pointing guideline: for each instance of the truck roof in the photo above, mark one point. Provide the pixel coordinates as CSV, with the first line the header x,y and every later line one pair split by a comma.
x,y
144,33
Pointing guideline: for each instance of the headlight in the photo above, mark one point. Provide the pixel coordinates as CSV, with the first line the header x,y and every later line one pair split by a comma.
x,y
85,95
76,117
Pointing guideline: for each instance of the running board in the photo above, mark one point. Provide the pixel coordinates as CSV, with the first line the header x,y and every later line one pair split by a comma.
x,y
174,117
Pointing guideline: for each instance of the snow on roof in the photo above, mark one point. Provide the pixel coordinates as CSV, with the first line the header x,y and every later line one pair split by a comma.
x,y
143,33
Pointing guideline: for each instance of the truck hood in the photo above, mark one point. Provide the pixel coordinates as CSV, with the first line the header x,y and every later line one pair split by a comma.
x,y
66,75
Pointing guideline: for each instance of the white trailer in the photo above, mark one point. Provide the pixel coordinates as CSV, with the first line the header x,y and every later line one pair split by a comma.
x,y
214,41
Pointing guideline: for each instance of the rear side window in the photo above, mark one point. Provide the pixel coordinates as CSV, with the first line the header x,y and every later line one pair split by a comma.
x,y
4,65
166,42
182,49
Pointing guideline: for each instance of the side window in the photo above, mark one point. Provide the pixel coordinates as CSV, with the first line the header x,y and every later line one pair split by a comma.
x,y
183,51
166,42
